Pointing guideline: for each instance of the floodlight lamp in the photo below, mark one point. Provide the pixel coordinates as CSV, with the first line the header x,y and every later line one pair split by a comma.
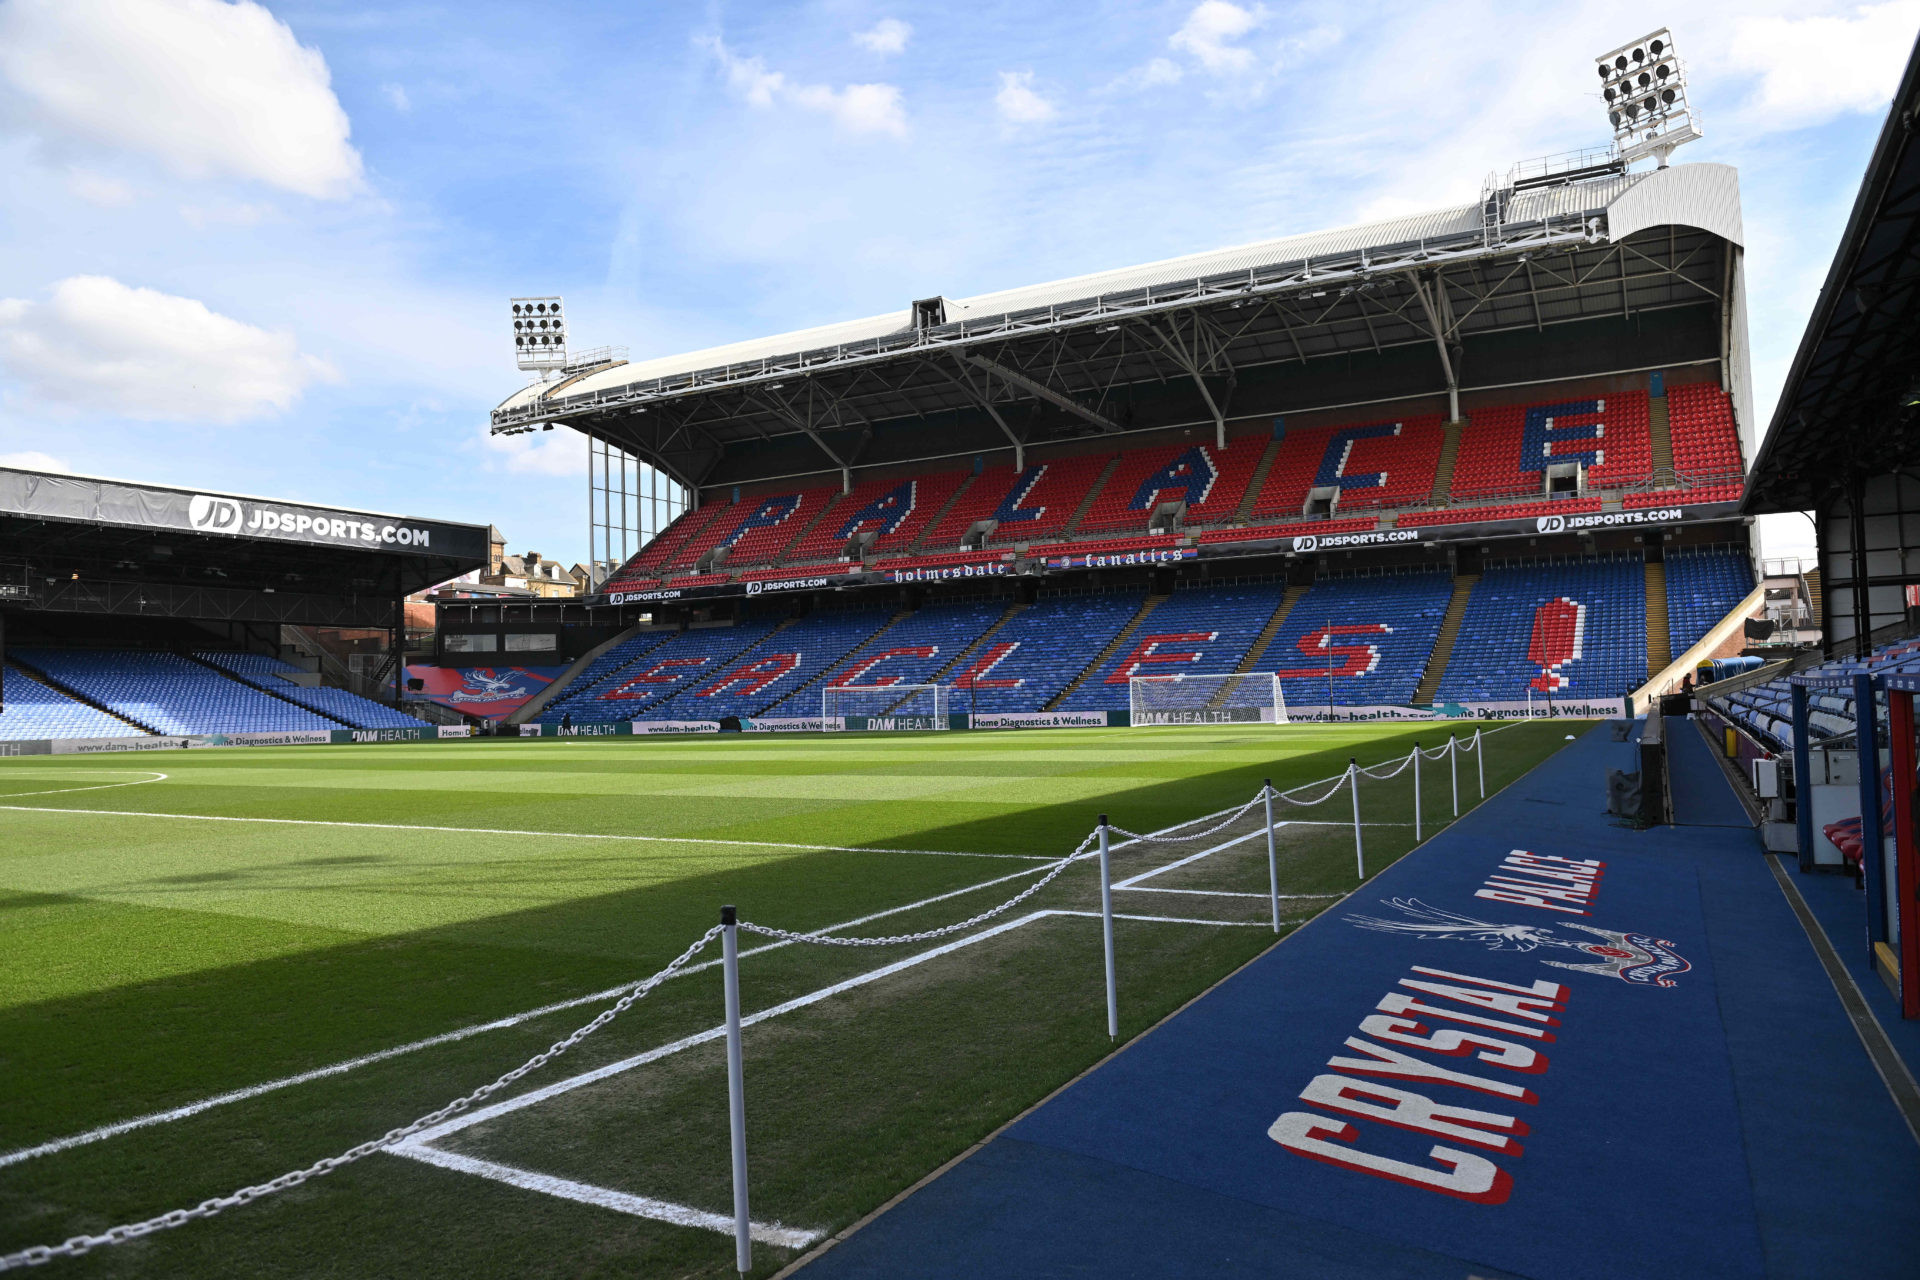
x,y
1645,97
539,333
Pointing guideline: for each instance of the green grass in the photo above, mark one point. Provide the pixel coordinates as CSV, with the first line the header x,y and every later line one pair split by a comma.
x,y
147,962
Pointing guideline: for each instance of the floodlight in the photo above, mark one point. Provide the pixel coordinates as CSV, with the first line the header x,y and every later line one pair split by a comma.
x,y
539,334
1644,86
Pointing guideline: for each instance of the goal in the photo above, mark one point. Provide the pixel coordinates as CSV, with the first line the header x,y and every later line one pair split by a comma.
x,y
884,707
1241,698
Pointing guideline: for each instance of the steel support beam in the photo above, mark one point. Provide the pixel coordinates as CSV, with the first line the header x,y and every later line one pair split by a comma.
x,y
1056,398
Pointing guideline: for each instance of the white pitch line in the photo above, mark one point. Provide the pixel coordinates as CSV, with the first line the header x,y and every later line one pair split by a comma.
x,y
533,1097
679,1215
188,1110
1230,893
1131,881
104,786
508,831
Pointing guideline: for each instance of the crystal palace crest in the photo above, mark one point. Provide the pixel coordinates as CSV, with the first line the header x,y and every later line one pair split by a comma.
x,y
1631,957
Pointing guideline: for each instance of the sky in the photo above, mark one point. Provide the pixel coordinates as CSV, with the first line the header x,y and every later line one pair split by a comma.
x,y
267,248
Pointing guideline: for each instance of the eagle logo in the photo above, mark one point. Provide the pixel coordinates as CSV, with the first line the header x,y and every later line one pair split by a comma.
x,y
1637,958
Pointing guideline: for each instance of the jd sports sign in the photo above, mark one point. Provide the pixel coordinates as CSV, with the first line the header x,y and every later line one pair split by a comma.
x,y
83,500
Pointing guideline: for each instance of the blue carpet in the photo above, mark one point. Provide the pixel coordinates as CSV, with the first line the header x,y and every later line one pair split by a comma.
x,y
1725,1124
1701,796
1842,912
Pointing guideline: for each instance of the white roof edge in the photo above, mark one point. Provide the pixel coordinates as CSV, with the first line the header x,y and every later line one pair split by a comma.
x,y
1706,196
244,497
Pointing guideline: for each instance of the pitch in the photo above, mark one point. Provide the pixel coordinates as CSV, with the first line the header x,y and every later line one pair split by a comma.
x,y
219,966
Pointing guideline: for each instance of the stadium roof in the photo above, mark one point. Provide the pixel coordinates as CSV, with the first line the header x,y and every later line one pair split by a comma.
x,y
1840,414
1170,343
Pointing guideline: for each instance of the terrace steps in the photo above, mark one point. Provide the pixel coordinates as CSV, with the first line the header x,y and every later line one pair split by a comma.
x,y
1443,472
1279,619
1072,525
1258,482
1147,607
1816,599
980,642
262,688
1660,434
59,687
941,514
799,539
1659,642
1429,685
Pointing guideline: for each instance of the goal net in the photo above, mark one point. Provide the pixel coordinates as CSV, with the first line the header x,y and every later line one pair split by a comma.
x,y
1250,698
884,707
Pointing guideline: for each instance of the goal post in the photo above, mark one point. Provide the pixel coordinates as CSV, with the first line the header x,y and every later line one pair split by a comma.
x,y
1252,697
884,708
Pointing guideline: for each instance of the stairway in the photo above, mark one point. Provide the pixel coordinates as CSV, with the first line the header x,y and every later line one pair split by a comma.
x,y
980,642
36,674
1126,634
800,537
831,667
1816,600
1259,650
1443,473
941,514
261,688
1244,512
1660,436
1429,685
1086,503
1659,642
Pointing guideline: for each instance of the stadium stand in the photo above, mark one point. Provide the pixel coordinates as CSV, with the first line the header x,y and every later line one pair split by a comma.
x,y
1196,631
685,657
1255,533
268,674
34,710
601,671
1368,637
1375,464
1702,586
1705,440
978,502
1505,450
911,651
1503,511
784,665
168,693
1043,498
1766,709
893,509
1042,650
1573,628
1211,481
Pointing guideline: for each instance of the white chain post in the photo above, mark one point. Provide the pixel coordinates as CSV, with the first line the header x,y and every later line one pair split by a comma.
x,y
736,1090
1353,780
1416,792
1106,931
1453,768
1480,762
1273,864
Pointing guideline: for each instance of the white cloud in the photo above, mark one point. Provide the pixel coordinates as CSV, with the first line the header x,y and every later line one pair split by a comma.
x,y
1017,101
560,452
889,35
397,98
1210,32
33,460
99,344
206,87
230,215
1814,68
857,108
98,189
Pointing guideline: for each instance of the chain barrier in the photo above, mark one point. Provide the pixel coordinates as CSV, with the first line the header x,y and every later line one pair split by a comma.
x,y
927,935
1215,829
1332,790
1396,773
38,1255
